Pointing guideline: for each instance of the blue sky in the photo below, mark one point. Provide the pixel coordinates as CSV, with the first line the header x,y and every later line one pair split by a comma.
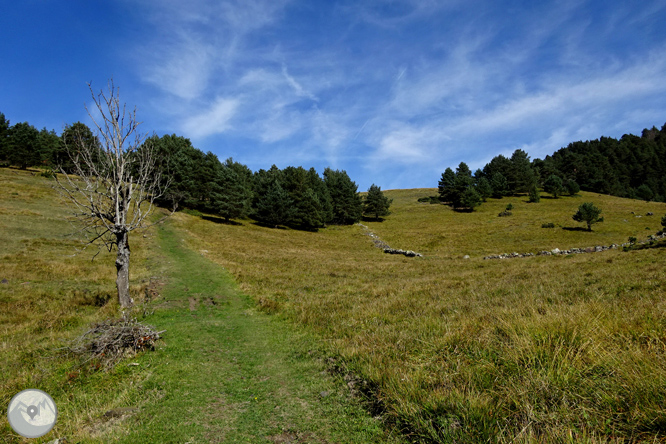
x,y
391,91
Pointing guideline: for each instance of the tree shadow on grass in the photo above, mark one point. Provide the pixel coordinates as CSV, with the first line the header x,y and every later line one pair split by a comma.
x,y
220,220
576,229
372,219
265,225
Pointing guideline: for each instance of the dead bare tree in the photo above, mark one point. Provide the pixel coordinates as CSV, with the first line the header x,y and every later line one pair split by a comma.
x,y
114,181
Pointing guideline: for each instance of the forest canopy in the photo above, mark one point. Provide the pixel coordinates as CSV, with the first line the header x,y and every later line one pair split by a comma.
x,y
633,167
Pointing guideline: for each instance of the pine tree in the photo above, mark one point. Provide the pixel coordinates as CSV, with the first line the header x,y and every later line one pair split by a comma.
x,y
470,198
376,203
274,207
483,188
553,185
535,196
230,196
446,186
499,185
572,187
589,214
521,173
347,204
307,213
4,136
463,181
319,187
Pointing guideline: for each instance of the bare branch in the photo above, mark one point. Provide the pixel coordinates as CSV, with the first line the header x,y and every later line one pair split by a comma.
x,y
114,181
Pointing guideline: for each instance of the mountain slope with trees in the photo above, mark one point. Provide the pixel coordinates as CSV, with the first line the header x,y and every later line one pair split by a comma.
x,y
633,167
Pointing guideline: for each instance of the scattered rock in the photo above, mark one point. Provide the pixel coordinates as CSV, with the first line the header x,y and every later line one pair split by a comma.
x,y
596,249
4,281
650,214
466,256
324,394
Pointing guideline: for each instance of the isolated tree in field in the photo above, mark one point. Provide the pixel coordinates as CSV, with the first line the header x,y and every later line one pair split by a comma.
x,y
589,214
663,222
376,203
114,184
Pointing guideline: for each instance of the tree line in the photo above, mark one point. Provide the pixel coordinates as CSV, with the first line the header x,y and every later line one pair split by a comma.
x,y
632,166
293,196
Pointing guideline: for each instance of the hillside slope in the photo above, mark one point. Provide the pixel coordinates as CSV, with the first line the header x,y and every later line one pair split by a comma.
x,y
544,348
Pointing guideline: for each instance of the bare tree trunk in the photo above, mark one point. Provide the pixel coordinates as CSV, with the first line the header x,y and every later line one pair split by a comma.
x,y
122,267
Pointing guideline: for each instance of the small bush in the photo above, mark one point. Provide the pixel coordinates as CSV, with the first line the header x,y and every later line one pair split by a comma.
x,y
548,225
632,240
509,207
429,199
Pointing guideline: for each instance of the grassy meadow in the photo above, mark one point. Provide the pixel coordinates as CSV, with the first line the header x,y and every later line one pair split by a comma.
x,y
539,349
50,292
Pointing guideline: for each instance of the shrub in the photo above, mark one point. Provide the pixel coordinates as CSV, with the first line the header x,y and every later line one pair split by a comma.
x,y
509,207
589,214
548,225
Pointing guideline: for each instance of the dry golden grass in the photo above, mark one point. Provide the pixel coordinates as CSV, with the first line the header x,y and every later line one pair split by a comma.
x,y
545,349
52,291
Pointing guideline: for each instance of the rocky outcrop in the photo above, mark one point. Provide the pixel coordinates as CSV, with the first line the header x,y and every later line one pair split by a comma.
x,y
557,251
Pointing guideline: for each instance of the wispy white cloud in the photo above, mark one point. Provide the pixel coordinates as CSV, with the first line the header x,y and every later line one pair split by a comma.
x,y
214,120
485,80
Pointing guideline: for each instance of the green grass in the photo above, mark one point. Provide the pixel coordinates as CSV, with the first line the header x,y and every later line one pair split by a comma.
x,y
224,373
544,349
540,349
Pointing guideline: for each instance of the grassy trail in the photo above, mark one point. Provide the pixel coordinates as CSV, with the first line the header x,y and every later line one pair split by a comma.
x,y
231,374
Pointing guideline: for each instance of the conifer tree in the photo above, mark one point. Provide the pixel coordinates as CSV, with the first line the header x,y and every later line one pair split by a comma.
x,y
4,135
376,203
553,185
274,207
572,187
230,197
470,198
589,214
446,186
347,204
483,188
499,185
535,196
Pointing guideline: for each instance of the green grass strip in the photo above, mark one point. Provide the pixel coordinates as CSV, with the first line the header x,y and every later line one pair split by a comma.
x,y
229,373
